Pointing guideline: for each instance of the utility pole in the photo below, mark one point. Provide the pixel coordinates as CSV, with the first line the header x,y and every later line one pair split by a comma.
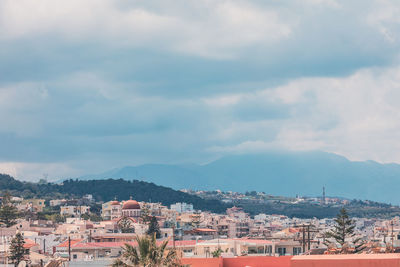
x,y
173,235
69,248
304,239
392,236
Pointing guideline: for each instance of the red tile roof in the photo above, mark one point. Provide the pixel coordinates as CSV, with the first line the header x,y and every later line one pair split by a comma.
x,y
204,230
29,243
73,243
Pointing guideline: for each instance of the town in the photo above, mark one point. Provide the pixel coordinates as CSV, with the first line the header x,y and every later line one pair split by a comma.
x,y
78,236
263,198
203,133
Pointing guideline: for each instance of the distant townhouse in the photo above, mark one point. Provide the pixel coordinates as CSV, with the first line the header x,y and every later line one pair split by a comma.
x,y
34,205
111,210
57,202
182,207
74,210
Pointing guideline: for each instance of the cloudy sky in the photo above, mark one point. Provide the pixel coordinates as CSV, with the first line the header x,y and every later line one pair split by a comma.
x,y
86,86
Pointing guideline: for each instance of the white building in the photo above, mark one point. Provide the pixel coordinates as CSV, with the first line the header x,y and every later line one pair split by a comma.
x,y
182,207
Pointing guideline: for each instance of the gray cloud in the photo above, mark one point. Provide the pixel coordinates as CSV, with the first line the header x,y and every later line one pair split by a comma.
x,y
91,85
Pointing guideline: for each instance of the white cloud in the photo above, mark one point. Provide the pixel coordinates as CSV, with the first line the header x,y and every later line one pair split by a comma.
x,y
357,116
36,171
386,20
224,25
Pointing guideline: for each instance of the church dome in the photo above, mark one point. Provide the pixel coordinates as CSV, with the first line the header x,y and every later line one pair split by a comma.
x,y
131,205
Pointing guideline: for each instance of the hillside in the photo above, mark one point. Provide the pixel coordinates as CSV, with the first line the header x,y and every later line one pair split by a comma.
x,y
106,190
277,173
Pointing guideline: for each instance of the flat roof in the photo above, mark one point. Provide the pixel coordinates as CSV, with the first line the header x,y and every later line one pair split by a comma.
x,y
348,256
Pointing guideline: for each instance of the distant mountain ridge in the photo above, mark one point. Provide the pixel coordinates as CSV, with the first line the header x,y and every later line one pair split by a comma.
x,y
278,173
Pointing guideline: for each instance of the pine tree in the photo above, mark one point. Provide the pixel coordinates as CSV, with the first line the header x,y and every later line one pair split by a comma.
x,y
17,249
154,228
125,225
145,214
8,212
344,229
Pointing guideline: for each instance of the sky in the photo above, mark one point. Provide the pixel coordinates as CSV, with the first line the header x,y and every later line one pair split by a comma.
x,y
87,86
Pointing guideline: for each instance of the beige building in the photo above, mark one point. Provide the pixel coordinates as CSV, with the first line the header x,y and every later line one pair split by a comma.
x,y
111,210
74,210
114,209
191,248
34,205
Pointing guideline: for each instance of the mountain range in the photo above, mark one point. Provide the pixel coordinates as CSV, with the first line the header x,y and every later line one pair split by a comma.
x,y
276,173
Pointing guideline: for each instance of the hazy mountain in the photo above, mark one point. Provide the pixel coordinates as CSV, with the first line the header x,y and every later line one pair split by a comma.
x,y
278,173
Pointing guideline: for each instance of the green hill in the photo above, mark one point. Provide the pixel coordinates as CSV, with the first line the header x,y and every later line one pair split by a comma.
x,y
105,190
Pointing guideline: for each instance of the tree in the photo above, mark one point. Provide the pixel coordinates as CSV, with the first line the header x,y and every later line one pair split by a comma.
x,y
154,228
125,225
8,212
344,229
217,253
145,214
17,249
148,254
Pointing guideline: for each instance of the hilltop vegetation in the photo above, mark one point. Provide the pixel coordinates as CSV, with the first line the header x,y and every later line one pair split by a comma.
x,y
105,190
307,210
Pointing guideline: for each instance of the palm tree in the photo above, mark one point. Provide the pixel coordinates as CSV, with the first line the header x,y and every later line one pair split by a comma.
x,y
147,254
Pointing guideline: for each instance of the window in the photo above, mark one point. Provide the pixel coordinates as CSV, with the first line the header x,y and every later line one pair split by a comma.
x,y
252,250
74,256
296,251
282,251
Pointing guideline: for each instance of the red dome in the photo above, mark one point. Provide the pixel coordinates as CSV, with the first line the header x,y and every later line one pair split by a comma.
x,y
114,202
131,205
